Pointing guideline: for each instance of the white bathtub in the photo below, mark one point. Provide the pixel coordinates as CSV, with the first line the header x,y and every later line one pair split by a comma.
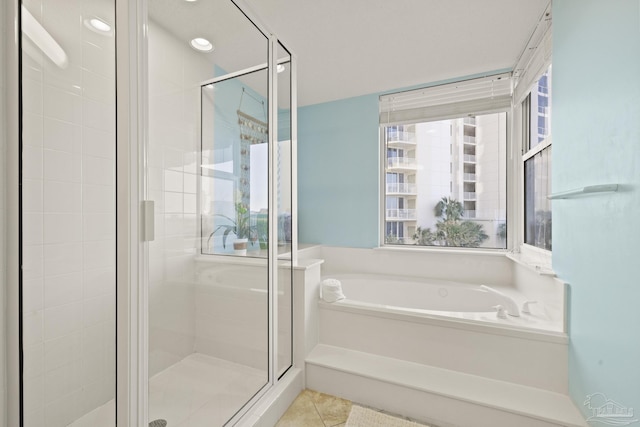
x,y
439,300
447,325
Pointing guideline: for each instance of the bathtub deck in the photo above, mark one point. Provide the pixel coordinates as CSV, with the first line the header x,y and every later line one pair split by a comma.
x,y
443,395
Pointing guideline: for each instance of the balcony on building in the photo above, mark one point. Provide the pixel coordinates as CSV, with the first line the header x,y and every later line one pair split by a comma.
x,y
469,214
400,138
401,188
401,215
469,158
469,139
469,195
406,163
470,121
469,177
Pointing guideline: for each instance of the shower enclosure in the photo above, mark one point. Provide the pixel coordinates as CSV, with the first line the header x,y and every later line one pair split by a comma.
x,y
156,214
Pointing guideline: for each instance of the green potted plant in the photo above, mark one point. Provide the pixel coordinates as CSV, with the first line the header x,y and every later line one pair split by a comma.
x,y
241,227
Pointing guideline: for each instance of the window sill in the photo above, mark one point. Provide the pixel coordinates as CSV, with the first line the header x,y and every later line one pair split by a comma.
x,y
442,250
534,260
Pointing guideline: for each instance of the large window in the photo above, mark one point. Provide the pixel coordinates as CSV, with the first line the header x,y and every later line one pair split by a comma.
x,y
444,168
446,182
536,111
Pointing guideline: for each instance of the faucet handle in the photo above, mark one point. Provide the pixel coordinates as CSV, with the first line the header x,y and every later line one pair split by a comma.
x,y
526,308
500,313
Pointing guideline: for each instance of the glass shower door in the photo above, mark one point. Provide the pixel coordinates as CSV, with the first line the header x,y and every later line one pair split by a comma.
x,y
207,172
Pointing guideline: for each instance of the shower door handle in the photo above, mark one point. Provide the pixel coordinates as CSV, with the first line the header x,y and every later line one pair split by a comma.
x,y
148,220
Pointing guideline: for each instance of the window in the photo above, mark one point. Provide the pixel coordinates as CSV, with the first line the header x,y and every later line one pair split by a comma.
x,y
536,158
444,164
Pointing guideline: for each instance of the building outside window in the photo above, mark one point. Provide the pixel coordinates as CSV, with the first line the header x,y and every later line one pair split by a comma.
x,y
446,183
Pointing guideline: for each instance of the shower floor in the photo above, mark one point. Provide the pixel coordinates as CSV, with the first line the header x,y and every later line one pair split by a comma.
x,y
198,391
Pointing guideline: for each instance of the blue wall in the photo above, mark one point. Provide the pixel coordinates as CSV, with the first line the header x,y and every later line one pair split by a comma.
x,y
338,169
596,140
338,180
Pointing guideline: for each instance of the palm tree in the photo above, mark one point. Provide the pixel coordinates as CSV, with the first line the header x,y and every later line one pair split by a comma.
x,y
451,230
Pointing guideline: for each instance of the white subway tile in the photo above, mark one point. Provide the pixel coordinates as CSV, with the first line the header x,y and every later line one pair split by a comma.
x,y
63,410
62,105
32,294
61,166
99,254
32,163
34,395
190,203
98,114
33,261
32,332
98,60
98,171
62,258
61,351
32,229
62,320
32,129
32,195
190,183
98,87
99,143
62,228
61,197
62,136
33,359
32,94
62,289
172,225
173,202
68,79
172,159
93,338
173,181
98,226
98,310
98,199
98,282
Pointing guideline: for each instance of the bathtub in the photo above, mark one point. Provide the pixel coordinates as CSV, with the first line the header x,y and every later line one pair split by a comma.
x,y
446,325
413,299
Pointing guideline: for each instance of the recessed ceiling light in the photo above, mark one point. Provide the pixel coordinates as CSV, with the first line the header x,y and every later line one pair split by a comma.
x,y
280,68
98,26
202,45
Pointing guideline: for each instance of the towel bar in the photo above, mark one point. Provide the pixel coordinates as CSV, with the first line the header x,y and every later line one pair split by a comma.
x,y
584,190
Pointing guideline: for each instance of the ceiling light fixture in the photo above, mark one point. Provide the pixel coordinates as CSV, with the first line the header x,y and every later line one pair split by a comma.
x,y
98,26
280,68
201,45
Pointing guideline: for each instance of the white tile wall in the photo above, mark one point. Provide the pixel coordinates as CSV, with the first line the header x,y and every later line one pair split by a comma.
x,y
69,217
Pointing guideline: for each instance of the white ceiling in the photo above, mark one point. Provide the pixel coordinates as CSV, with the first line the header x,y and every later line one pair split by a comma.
x,y
348,48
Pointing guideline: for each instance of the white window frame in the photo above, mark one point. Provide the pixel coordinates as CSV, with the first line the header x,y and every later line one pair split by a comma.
x,y
510,190
535,60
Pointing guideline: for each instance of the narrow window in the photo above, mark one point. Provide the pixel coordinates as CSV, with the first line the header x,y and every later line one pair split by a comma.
x,y
536,110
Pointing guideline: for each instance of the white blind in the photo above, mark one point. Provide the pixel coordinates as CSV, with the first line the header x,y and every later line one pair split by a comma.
x,y
535,58
450,100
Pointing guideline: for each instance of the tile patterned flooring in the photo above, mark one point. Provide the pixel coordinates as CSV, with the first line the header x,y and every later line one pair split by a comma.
x,y
315,409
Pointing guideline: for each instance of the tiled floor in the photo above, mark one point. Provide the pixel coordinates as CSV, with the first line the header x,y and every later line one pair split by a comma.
x,y
314,409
